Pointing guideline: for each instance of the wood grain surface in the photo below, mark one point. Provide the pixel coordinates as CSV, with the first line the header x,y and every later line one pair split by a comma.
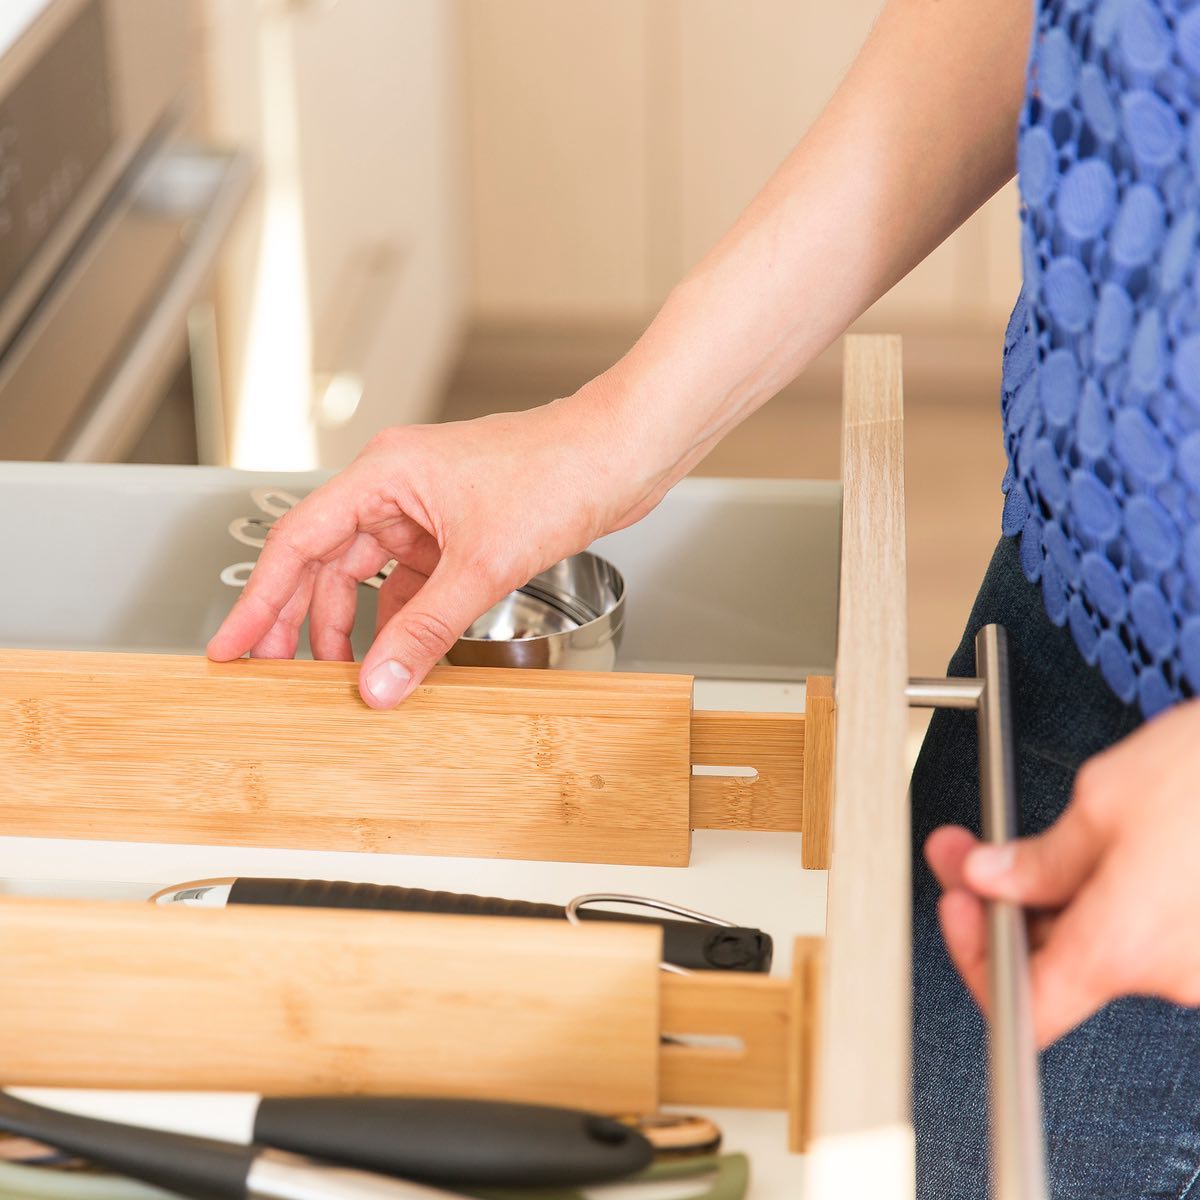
x,y
771,743
804,1030
862,1132
817,805
728,1004
292,1001
288,1002
526,764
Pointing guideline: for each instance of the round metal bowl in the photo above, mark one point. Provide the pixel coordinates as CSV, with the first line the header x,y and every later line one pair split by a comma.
x,y
569,618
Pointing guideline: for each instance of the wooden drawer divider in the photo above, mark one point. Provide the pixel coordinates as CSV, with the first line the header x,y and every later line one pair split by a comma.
x,y
570,766
287,1001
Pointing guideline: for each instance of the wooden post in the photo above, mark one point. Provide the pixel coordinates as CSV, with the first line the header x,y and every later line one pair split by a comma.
x,y
819,731
802,1044
862,1141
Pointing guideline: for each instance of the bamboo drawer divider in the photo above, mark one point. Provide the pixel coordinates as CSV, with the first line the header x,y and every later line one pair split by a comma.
x,y
517,764
287,1001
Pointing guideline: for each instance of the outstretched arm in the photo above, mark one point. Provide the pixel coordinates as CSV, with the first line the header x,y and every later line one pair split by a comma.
x,y
920,133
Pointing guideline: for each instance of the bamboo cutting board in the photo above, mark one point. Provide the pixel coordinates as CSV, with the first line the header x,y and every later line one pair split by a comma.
x,y
533,764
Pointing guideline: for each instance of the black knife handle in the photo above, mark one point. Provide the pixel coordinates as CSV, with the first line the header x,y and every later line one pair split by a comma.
x,y
324,893
456,1142
687,944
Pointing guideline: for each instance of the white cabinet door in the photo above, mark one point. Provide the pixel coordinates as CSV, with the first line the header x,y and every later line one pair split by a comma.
x,y
343,301
559,158
611,142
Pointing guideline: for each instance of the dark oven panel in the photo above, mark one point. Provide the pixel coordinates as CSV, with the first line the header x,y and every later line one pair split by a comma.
x,y
56,126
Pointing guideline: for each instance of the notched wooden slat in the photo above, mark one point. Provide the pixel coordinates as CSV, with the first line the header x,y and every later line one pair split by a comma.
x,y
755,1010
773,745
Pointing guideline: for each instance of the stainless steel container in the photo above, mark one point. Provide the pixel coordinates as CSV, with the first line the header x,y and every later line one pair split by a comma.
x,y
569,617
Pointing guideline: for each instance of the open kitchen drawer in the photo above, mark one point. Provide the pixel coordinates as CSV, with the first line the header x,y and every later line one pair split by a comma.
x,y
526,765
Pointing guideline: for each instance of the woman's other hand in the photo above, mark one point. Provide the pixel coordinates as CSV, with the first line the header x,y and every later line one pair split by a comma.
x,y
1113,887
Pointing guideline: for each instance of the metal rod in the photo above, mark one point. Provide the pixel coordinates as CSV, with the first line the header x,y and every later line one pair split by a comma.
x,y
1018,1147
943,693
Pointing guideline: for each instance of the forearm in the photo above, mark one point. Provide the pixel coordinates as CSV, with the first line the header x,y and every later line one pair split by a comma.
x,y
920,133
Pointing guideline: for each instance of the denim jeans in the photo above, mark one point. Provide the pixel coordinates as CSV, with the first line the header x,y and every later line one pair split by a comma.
x,y
1121,1093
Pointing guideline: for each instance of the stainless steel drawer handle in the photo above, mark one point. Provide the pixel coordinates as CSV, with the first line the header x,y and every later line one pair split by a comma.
x,y
1018,1141
210,187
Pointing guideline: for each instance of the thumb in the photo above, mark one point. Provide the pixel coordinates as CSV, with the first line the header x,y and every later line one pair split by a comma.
x,y
1043,871
413,640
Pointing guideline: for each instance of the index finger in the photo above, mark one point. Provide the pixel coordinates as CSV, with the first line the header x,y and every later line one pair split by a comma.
x,y
312,532
946,851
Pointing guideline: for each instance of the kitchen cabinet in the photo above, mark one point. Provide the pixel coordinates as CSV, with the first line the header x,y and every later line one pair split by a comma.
x,y
611,142
561,158
342,301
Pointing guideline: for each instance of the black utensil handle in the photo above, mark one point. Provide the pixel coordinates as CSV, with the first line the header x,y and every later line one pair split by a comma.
x,y
686,944
202,1168
324,893
699,947
456,1142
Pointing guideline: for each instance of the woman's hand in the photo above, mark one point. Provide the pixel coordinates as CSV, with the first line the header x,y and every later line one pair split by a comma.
x,y
468,511
1113,887
471,511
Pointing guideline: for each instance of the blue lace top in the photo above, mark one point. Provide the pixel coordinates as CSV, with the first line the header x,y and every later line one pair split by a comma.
x,y
1101,395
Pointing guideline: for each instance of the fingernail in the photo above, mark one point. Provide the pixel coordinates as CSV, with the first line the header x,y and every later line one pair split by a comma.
x,y
388,683
990,862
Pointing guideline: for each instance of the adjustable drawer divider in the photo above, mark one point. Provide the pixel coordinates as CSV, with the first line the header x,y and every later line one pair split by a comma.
x,y
524,764
287,1001
569,766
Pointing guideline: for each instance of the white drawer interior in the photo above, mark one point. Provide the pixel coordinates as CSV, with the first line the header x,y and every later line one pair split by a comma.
x,y
732,579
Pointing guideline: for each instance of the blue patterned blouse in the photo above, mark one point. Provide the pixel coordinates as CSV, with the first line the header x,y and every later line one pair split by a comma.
x,y
1101,396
